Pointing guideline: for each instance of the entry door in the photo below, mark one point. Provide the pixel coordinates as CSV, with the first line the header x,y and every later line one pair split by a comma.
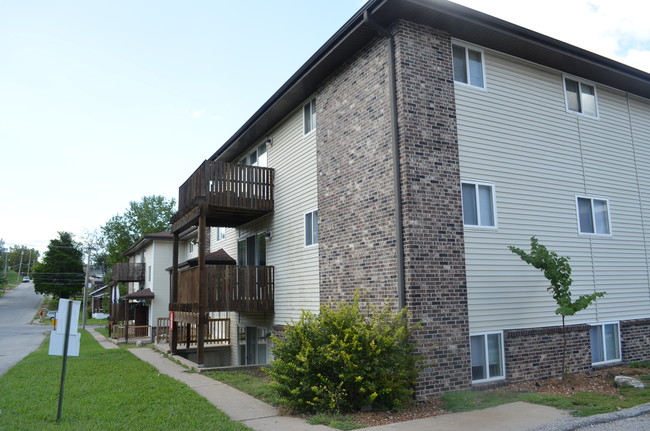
x,y
252,251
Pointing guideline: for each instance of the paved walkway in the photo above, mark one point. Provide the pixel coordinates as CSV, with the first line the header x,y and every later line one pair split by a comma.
x,y
260,416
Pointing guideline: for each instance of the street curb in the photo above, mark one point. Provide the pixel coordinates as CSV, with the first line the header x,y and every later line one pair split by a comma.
x,y
571,424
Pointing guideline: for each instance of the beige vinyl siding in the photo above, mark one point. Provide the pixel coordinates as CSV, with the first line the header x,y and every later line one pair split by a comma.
x,y
518,136
293,156
159,256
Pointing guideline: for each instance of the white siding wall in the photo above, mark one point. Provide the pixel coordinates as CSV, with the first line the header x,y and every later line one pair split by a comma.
x,y
293,156
518,136
159,256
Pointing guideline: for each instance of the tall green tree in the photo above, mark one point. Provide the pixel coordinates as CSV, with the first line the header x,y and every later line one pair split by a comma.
x,y
152,214
61,273
557,271
21,258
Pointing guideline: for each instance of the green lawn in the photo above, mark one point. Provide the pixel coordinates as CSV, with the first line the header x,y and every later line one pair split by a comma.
x,y
105,390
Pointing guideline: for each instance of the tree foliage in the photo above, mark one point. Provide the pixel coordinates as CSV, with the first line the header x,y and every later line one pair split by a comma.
x,y
13,258
152,214
345,359
61,273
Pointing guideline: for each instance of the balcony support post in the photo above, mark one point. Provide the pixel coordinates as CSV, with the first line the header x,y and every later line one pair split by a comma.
x,y
203,288
173,295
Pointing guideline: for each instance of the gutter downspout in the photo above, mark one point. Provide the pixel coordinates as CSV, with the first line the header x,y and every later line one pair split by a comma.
x,y
397,188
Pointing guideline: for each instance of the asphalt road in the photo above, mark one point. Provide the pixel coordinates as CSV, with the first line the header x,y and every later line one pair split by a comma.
x,y
18,337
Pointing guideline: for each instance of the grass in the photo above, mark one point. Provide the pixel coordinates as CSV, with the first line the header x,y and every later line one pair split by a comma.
x,y
104,390
254,382
580,404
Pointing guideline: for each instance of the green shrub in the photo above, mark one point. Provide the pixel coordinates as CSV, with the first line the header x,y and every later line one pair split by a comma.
x,y
345,359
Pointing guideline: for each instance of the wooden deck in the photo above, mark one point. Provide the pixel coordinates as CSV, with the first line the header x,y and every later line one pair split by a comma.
x,y
229,288
128,272
234,194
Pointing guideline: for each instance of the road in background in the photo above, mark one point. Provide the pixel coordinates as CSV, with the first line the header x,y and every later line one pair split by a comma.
x,y
18,337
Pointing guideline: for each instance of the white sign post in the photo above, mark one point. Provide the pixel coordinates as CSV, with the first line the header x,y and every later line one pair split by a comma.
x,y
65,339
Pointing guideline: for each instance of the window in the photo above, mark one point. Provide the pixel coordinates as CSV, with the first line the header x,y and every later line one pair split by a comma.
x,y
252,250
257,157
468,66
309,116
605,343
190,247
593,215
478,205
580,97
221,233
253,345
311,228
149,271
487,357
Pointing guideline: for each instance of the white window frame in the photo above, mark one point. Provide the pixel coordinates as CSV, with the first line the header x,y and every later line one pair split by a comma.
x,y
477,184
305,233
581,83
593,216
221,233
309,119
486,358
468,47
604,340
259,150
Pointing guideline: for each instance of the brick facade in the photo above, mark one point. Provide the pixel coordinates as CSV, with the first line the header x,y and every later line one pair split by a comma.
x,y
356,200
537,353
436,288
635,340
355,193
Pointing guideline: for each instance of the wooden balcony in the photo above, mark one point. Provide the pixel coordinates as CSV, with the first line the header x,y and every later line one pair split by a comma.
x,y
128,272
230,288
234,195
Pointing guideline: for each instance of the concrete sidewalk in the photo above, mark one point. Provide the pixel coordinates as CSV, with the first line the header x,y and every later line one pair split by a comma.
x,y
263,417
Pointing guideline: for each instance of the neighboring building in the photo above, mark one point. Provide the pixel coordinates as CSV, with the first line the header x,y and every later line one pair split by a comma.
x,y
402,159
148,281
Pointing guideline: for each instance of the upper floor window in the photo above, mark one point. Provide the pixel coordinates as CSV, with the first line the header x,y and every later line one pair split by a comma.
x,y
605,343
478,205
257,157
468,66
486,351
593,215
309,116
311,228
580,97
221,233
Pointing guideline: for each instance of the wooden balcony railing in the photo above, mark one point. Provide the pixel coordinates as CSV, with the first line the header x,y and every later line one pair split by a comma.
x,y
139,331
230,288
128,271
217,332
246,191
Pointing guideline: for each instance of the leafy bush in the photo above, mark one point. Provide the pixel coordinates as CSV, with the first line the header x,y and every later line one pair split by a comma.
x,y
345,359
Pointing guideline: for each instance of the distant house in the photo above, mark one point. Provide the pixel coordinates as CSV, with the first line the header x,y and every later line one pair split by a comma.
x,y
148,282
402,159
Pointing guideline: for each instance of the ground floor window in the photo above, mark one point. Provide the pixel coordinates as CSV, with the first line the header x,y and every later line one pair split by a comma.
x,y
605,343
487,357
253,342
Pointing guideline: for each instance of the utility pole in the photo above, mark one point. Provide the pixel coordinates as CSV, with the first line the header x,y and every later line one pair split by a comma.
x,y
29,262
6,259
83,320
20,266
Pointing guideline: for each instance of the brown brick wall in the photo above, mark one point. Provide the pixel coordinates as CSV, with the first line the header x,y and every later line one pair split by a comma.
x,y
356,201
436,287
355,193
635,340
537,353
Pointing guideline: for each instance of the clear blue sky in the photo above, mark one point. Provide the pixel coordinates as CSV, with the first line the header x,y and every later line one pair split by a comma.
x,y
103,102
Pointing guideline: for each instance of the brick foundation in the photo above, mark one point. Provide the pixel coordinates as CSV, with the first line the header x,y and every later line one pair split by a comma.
x,y
635,340
537,353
